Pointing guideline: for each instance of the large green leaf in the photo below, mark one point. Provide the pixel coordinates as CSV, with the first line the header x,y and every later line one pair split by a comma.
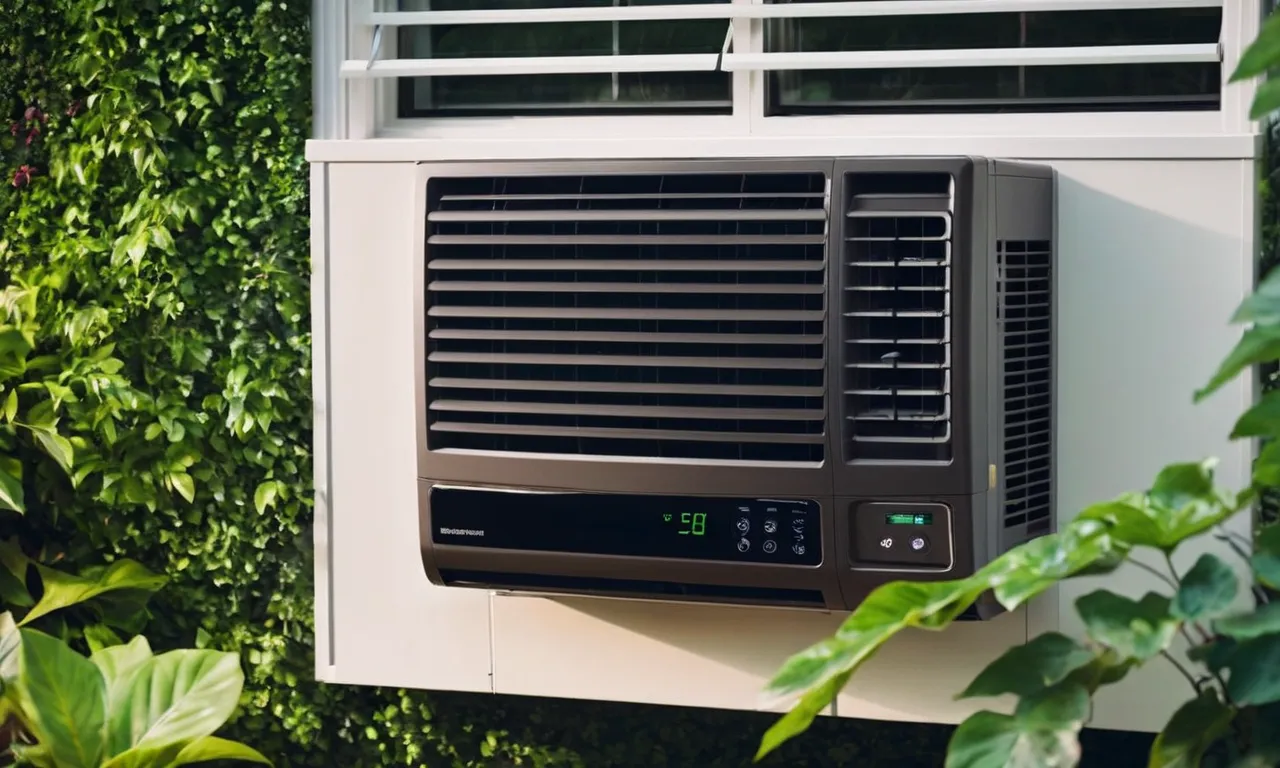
x,y
1264,620
1262,54
10,639
11,495
1259,344
60,693
118,665
1042,732
63,590
1135,630
801,716
1255,671
886,611
1206,591
1028,570
1266,554
1191,731
1025,669
213,748
175,698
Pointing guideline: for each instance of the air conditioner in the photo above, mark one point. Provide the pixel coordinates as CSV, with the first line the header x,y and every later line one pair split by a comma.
x,y
768,382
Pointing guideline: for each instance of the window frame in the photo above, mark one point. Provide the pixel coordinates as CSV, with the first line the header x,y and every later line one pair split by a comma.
x,y
368,108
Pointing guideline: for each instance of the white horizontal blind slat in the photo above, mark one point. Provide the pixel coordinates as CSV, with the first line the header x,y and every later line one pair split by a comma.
x,y
974,57
530,65
955,7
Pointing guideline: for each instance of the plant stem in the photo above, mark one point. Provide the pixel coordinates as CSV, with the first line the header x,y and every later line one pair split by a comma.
x,y
1168,559
1154,572
1178,666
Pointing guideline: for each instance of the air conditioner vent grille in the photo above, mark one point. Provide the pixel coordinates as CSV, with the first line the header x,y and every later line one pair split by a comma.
x,y
897,316
1025,322
671,316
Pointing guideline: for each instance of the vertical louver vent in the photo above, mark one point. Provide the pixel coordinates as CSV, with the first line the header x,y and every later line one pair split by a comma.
x,y
1025,322
897,316
675,316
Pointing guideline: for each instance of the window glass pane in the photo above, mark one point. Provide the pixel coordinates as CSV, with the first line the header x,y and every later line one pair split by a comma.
x,y
550,94
1065,88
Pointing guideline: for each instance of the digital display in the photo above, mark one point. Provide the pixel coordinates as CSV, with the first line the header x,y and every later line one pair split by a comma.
x,y
686,527
688,524
908,518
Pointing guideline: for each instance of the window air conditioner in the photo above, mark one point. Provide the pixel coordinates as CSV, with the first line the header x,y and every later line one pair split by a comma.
x,y
769,382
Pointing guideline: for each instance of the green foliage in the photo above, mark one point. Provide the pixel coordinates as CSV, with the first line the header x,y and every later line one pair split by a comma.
x,y
121,708
1237,690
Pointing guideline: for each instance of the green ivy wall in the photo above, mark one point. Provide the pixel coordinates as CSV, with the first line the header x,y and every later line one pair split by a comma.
x,y
164,171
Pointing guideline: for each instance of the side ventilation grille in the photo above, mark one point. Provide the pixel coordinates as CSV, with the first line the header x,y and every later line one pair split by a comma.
x,y
1025,323
897,316
674,316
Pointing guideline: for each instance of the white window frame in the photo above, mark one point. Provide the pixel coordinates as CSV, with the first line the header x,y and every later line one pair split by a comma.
x,y
366,108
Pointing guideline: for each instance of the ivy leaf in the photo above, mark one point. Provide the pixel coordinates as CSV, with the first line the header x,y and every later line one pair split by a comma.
x,y
265,496
1263,621
1262,420
1266,468
1044,730
1207,590
1190,732
11,496
11,405
1025,669
57,447
1255,671
1266,554
63,590
1135,630
1259,344
184,484
61,693
1181,504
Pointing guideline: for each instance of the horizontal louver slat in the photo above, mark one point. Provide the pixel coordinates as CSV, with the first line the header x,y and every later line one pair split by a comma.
x,y
676,316
622,265
897,315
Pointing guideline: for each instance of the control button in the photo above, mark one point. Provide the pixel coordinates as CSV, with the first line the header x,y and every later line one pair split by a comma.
x,y
770,547
919,544
797,526
744,525
886,543
798,549
743,545
770,526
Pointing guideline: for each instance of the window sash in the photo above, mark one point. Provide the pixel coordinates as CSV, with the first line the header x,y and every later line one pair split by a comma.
x,y
368,103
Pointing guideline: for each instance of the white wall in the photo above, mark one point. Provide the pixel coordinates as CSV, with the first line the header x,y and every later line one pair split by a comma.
x,y
1154,255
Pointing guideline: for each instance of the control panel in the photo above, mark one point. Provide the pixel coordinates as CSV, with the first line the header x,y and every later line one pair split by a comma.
x,y
782,531
906,536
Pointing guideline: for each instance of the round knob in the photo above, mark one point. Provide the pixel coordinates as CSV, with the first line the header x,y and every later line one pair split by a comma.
x,y
743,545
744,524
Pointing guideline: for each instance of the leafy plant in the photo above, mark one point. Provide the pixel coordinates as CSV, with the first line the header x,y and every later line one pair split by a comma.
x,y
122,707
1230,624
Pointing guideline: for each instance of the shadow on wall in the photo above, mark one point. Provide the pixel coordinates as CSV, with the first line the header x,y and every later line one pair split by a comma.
x,y
611,735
